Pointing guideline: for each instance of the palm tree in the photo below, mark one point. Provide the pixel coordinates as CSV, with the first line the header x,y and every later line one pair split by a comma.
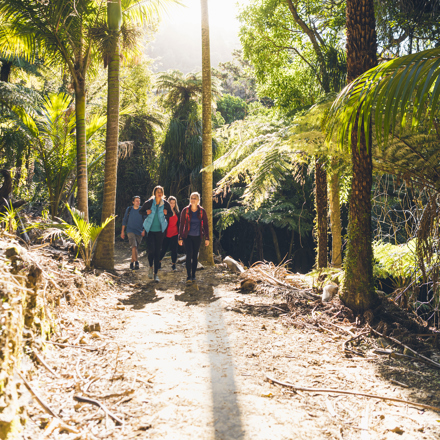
x,y
358,290
321,212
121,15
48,125
104,255
206,252
181,155
60,30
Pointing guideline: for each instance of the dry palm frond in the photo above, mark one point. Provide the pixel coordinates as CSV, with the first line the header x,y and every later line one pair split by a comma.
x,y
279,276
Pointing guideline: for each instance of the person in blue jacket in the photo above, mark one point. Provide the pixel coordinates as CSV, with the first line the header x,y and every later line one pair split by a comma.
x,y
158,211
132,223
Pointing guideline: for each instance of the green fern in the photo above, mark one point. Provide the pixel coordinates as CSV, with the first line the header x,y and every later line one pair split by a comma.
x,y
83,233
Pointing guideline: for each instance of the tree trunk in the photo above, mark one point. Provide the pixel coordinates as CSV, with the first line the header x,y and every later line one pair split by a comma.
x,y
335,219
259,240
5,71
105,249
358,291
251,257
81,149
289,256
206,254
275,243
321,213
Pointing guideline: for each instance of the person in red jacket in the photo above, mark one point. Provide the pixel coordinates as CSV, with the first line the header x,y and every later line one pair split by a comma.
x,y
193,227
170,240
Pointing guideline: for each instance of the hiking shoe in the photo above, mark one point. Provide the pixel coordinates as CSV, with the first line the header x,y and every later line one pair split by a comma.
x,y
188,280
131,266
136,265
193,279
173,267
150,273
156,278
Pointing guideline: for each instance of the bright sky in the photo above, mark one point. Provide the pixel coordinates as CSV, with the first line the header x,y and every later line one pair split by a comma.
x,y
221,13
178,42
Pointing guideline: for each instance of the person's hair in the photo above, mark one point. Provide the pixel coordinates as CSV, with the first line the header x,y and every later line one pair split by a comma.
x,y
135,197
158,187
194,194
176,208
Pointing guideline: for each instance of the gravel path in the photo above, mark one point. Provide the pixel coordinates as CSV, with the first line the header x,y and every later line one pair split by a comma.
x,y
209,360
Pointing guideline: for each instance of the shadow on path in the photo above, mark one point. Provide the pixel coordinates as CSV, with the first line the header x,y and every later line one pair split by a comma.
x,y
141,297
226,411
194,294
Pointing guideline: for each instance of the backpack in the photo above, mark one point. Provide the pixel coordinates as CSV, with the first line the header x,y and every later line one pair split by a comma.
x,y
128,215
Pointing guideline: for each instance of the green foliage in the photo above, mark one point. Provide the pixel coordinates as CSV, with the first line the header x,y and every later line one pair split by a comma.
x,y
9,217
83,233
181,151
405,27
182,92
396,261
284,59
231,108
394,94
55,142
217,120
237,77
284,209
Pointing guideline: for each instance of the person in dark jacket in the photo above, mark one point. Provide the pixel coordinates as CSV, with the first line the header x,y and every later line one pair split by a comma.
x,y
133,222
172,233
193,228
158,213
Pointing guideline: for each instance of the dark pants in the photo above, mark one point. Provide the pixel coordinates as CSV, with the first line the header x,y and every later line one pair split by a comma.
x,y
154,245
192,246
170,242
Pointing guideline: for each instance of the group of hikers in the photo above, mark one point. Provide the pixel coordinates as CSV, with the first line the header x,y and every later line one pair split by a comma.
x,y
166,228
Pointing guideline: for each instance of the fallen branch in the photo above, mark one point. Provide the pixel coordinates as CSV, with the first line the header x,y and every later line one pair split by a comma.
x,y
36,396
328,330
43,362
345,348
83,347
424,358
58,424
100,405
353,393
340,328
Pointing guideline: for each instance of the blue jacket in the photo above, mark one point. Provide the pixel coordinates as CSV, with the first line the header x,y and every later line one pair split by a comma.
x,y
133,220
163,219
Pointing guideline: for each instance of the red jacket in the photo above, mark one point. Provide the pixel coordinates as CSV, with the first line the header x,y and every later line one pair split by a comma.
x,y
185,222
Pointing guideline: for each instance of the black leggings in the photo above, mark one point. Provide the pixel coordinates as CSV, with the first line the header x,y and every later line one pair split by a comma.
x,y
192,246
154,245
170,242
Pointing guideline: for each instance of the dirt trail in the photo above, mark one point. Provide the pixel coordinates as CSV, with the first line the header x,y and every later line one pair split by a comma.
x,y
182,362
209,362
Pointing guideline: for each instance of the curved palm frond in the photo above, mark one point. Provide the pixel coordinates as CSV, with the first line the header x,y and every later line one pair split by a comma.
x,y
393,94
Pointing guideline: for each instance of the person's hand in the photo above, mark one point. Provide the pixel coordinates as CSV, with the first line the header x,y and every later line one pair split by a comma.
x,y
148,211
165,211
122,235
206,242
143,233
180,242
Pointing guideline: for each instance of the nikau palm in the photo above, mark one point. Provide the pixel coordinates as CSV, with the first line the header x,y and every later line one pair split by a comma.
x,y
119,13
104,256
60,31
206,252
401,91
